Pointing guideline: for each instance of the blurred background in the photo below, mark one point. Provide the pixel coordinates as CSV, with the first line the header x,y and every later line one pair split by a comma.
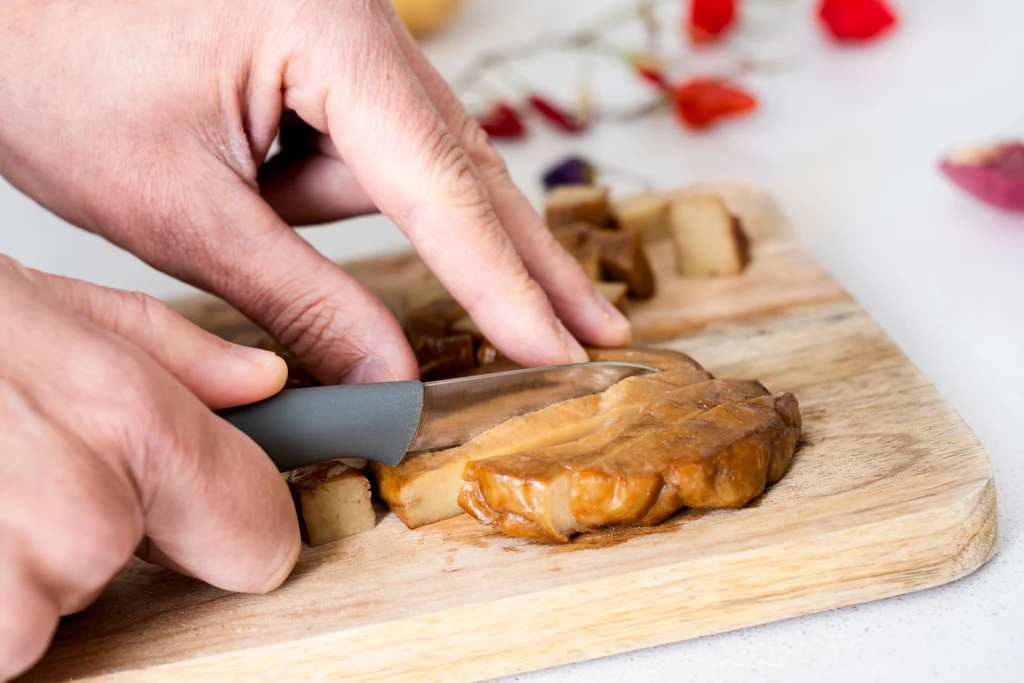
x,y
848,138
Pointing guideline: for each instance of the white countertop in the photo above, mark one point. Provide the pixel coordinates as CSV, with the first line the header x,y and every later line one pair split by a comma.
x,y
848,141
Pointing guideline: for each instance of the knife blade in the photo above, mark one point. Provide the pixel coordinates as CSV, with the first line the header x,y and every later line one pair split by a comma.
x,y
385,421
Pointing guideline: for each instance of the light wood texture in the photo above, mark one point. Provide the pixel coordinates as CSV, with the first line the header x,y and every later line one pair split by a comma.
x,y
889,493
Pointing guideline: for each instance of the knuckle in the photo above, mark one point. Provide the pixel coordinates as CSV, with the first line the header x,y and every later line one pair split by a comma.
x,y
452,172
485,158
312,329
337,41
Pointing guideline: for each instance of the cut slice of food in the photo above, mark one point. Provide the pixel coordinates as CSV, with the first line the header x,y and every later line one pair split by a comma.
x,y
568,204
432,320
621,255
623,259
646,213
488,354
709,445
441,349
424,488
441,357
589,257
465,325
660,359
333,502
708,239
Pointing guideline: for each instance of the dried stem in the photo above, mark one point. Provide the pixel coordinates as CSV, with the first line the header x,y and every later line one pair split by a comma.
x,y
591,40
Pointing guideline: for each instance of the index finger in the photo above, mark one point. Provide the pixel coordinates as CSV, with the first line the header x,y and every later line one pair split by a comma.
x,y
588,314
403,155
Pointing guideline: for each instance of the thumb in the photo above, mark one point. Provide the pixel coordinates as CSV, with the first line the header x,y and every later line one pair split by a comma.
x,y
220,373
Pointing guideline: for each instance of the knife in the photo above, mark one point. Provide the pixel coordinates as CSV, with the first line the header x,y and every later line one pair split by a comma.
x,y
386,420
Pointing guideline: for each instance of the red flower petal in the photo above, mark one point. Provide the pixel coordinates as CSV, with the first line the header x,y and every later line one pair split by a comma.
x,y
703,101
710,19
556,115
856,21
502,121
995,175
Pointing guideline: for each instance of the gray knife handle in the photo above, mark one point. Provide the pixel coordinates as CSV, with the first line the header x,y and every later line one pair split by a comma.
x,y
299,427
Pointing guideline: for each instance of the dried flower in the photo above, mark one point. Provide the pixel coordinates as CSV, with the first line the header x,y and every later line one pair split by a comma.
x,y
572,170
502,121
557,116
649,70
994,175
709,20
702,102
856,21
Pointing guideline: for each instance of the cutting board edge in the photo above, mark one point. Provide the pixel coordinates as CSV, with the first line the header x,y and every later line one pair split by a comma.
x,y
317,657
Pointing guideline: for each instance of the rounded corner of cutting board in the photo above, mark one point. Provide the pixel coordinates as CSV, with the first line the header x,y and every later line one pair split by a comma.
x,y
981,520
960,545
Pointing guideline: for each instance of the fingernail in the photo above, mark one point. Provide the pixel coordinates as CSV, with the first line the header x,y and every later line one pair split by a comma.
x,y
370,370
259,357
612,315
572,347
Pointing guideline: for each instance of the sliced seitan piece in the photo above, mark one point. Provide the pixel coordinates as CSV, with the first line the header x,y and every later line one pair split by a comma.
x,y
568,204
588,255
333,501
621,255
709,240
715,444
646,213
424,488
441,357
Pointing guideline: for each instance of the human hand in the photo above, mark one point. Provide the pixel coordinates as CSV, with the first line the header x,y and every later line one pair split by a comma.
x,y
108,447
148,123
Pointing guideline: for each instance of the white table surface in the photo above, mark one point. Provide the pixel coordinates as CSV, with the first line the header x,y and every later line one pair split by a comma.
x,y
848,141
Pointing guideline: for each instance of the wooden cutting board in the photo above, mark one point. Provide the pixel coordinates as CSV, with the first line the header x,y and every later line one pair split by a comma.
x,y
889,493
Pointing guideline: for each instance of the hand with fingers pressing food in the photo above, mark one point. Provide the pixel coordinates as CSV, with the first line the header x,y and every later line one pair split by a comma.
x,y
150,124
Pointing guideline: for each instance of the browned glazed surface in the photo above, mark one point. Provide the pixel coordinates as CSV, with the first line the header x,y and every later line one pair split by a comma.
x,y
424,488
713,444
620,255
307,478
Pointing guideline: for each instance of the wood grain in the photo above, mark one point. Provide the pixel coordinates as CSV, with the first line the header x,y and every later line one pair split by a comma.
x,y
889,493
